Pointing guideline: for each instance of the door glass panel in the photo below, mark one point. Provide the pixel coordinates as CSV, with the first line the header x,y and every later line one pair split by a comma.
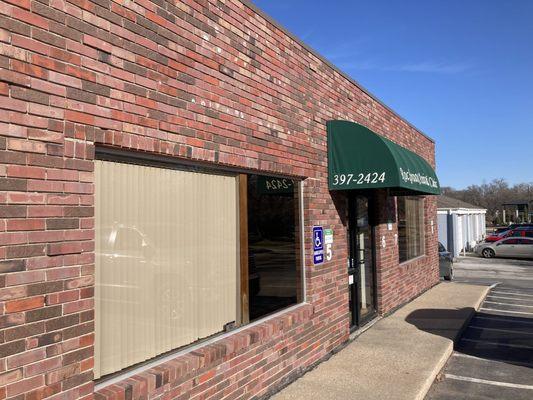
x,y
365,262
361,273
351,303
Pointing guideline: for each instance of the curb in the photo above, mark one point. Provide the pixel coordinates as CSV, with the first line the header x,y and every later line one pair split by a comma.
x,y
436,371
449,351
472,313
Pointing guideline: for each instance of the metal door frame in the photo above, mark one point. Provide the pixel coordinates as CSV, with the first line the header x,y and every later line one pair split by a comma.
x,y
352,243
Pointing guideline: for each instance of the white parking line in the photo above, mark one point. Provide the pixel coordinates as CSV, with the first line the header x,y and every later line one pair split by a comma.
x,y
487,382
512,293
456,354
498,344
505,311
502,318
500,330
508,298
461,355
506,304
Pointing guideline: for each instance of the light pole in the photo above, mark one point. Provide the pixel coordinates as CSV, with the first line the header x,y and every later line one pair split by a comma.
x,y
528,201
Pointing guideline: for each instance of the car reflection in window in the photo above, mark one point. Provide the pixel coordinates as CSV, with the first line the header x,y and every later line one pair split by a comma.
x,y
132,265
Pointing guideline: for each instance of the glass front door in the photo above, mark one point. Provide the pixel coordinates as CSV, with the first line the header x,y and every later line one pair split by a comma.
x,y
361,262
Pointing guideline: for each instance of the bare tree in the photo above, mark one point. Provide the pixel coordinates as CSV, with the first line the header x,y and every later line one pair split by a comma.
x,y
492,195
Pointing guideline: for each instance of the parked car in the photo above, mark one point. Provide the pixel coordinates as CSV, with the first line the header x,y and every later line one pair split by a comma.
x,y
523,231
445,263
515,247
497,236
512,226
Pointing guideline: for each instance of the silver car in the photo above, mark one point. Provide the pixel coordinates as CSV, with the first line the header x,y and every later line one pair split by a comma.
x,y
515,247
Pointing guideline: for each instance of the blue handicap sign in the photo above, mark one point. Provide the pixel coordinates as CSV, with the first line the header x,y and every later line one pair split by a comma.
x,y
318,245
318,238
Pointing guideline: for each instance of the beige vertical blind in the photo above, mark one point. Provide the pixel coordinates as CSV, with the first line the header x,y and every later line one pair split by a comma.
x,y
414,214
166,260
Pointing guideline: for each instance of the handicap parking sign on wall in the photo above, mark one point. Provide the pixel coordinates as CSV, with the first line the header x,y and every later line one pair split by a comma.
x,y
318,245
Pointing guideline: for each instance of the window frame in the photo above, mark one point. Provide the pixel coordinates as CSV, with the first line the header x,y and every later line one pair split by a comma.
x,y
105,153
422,230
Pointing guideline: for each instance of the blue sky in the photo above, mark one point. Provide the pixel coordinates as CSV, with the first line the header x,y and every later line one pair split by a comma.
x,y
461,71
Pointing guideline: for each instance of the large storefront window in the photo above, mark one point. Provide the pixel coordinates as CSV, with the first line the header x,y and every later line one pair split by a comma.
x,y
166,260
410,227
168,271
273,247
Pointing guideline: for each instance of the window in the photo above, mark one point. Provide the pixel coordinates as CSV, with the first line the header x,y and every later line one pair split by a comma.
x,y
411,237
273,248
168,270
166,260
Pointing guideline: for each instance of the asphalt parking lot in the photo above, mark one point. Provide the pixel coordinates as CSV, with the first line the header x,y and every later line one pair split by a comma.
x,y
494,357
509,272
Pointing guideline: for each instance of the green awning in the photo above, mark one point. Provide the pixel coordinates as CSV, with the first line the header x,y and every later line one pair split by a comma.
x,y
361,159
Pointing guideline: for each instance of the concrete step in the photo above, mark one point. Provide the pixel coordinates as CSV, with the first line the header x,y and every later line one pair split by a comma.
x,y
400,356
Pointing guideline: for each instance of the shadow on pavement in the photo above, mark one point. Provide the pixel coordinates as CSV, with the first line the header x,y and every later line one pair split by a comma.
x,y
488,336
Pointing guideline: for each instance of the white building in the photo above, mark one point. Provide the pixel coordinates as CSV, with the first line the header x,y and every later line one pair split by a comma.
x,y
461,225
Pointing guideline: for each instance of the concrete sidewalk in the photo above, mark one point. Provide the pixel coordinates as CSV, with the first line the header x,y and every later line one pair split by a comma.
x,y
400,356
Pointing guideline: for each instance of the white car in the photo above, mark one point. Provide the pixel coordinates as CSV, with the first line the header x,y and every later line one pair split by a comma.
x,y
514,247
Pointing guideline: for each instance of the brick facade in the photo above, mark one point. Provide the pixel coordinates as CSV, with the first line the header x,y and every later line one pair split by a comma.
x,y
205,80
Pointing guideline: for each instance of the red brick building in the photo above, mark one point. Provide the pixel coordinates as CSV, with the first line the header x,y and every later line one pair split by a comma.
x,y
193,203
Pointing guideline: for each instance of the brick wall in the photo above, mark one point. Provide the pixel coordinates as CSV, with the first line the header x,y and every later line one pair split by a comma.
x,y
204,80
397,282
